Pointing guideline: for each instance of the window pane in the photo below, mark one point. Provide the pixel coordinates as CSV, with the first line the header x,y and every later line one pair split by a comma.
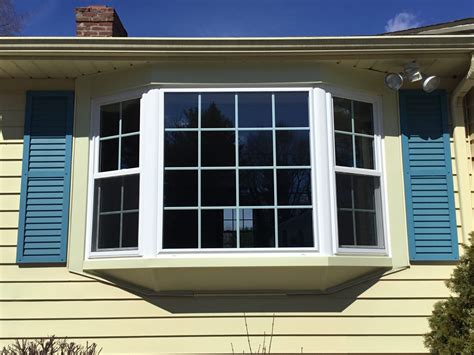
x,y
218,149
292,148
294,186
295,228
130,230
219,228
131,116
181,149
109,120
344,152
366,228
257,228
218,110
256,187
255,148
342,115
130,152
363,117
356,202
364,152
109,231
364,191
180,229
291,109
345,228
218,188
110,191
180,188
255,109
344,190
131,197
181,110
108,154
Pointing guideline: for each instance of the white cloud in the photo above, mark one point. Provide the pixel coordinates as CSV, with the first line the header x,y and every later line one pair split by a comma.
x,y
402,21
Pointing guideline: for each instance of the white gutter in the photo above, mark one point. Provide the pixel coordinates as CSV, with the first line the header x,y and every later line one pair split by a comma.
x,y
460,150
119,47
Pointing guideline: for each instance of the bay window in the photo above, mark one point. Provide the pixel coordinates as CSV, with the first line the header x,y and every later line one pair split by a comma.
x,y
235,170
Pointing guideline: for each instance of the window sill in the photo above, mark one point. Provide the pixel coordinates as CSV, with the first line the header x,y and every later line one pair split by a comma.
x,y
249,273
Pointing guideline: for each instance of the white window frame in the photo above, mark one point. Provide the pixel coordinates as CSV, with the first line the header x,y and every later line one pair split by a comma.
x,y
94,174
235,251
151,168
381,207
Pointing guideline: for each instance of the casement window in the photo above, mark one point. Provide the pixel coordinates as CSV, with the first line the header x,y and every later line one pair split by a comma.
x,y
235,170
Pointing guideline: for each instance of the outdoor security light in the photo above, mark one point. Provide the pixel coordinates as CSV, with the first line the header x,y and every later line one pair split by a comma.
x,y
412,72
431,83
394,81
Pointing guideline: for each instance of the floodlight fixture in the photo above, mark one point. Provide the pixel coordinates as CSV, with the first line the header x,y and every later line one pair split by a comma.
x,y
394,81
431,83
412,72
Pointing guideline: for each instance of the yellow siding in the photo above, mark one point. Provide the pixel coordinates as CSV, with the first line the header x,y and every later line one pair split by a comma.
x,y
469,100
389,315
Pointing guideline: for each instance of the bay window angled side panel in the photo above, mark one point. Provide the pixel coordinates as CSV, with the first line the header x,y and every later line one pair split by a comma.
x,y
352,164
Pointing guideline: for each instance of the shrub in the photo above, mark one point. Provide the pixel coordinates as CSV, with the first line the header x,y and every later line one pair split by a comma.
x,y
452,321
49,346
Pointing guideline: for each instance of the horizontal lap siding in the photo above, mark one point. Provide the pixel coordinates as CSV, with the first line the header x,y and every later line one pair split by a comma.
x,y
470,140
388,316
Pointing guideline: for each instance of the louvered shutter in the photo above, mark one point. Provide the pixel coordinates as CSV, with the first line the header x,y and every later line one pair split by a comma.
x,y
45,182
428,176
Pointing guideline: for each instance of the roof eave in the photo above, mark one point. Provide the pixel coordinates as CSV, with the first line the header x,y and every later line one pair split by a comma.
x,y
97,47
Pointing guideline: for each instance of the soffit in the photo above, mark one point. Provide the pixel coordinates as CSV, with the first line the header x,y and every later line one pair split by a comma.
x,y
451,67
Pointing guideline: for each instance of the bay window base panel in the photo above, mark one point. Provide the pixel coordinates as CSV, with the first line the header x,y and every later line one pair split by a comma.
x,y
210,275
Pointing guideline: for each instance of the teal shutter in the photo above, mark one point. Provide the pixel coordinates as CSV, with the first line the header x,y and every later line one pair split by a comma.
x,y
428,176
45,181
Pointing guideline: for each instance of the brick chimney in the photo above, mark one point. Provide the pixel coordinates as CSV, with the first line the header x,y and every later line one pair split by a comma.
x,y
98,21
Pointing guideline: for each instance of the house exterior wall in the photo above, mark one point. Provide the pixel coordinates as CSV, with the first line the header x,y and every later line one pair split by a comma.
x,y
385,315
469,101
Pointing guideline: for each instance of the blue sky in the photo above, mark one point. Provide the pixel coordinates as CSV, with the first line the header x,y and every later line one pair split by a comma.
x,y
218,18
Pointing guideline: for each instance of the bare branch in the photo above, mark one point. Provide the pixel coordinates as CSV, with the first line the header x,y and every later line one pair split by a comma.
x,y
11,22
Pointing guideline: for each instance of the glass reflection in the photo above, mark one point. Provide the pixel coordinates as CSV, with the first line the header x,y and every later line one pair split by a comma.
x,y
109,120
294,186
344,150
130,230
180,188
292,148
219,228
257,228
291,109
342,115
218,110
131,116
295,228
364,152
255,148
180,229
218,188
181,149
218,148
181,110
345,228
130,155
366,228
255,109
109,231
109,154
256,187
356,203
363,118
